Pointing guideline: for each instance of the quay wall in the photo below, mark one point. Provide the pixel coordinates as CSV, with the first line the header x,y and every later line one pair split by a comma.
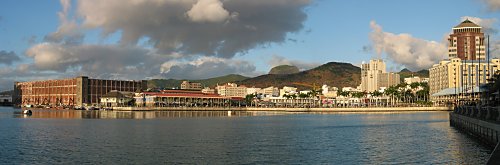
x,y
482,123
363,109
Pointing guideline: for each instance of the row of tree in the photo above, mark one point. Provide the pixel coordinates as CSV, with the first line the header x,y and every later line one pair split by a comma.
x,y
402,93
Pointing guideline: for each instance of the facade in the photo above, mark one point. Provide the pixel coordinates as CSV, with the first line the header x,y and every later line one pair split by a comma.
x,y
231,90
374,76
415,79
180,99
208,90
254,90
271,91
329,92
117,99
191,85
77,91
467,42
456,73
287,90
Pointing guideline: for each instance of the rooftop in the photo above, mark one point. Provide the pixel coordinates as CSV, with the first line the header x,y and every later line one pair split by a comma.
x,y
467,23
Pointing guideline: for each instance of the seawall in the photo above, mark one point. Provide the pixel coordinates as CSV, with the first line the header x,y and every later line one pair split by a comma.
x,y
363,109
482,123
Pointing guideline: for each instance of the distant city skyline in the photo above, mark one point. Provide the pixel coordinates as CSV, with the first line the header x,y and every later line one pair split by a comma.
x,y
199,39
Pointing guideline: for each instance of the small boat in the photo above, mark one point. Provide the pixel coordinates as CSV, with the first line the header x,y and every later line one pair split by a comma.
x,y
27,112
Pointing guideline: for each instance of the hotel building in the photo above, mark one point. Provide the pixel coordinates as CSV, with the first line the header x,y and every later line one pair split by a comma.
x,y
466,69
374,76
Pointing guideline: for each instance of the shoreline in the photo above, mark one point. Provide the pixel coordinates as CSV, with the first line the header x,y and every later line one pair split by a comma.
x,y
359,109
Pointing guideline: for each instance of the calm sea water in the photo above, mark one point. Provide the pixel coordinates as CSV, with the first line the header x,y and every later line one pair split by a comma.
x,y
78,137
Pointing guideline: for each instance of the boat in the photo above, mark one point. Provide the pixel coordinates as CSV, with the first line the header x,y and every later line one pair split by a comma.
x,y
27,112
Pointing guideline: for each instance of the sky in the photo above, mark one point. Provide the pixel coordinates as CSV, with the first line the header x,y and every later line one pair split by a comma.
x,y
198,39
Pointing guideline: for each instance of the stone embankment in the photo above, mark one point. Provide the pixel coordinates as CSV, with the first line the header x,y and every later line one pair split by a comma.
x,y
480,122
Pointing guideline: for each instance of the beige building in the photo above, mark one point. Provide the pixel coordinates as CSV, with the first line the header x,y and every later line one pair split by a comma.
x,y
271,91
208,90
460,73
231,90
374,76
191,85
415,79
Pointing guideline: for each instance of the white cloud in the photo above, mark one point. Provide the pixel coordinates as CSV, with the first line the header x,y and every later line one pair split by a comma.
x,y
206,67
488,25
208,11
404,49
493,5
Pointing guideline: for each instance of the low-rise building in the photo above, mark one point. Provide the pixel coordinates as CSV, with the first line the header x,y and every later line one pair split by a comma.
x,y
117,99
329,92
271,91
254,90
186,85
231,90
208,90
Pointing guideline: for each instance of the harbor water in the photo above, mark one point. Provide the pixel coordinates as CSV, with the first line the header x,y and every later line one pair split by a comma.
x,y
184,137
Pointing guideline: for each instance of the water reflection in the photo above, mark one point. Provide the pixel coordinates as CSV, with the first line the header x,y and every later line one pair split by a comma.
x,y
82,114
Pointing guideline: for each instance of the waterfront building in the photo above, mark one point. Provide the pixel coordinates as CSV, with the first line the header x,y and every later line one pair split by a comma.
x,y
5,99
76,91
271,91
288,91
254,90
231,90
467,42
116,98
329,92
186,85
178,98
208,90
374,76
459,76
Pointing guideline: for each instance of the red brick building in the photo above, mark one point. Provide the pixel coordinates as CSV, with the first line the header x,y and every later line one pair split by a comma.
x,y
71,92
467,42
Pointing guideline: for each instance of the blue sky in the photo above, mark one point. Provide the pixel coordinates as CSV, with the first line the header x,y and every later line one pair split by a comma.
x,y
332,30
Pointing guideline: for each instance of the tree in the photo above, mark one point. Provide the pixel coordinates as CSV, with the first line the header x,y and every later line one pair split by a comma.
x,y
249,99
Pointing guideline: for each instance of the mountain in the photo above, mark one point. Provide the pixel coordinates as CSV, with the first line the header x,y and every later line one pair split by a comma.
x,y
211,82
405,73
333,74
284,69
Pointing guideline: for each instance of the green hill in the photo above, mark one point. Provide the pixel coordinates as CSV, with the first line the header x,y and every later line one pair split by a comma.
x,y
333,74
211,82
405,73
284,69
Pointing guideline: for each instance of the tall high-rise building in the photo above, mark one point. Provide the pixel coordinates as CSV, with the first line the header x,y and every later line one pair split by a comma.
x,y
374,76
467,42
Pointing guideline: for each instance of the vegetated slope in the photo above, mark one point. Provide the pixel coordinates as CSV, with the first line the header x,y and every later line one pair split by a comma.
x,y
211,82
333,74
405,73
284,69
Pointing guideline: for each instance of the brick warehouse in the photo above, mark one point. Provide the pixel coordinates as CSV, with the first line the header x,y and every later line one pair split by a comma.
x,y
70,92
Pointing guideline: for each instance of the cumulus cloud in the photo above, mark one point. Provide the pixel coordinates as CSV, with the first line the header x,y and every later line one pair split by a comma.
x,y
277,60
68,31
97,60
404,49
488,25
208,11
206,67
229,27
493,5
8,57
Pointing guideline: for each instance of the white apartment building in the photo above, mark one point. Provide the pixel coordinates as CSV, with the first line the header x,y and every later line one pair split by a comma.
x,y
374,76
231,90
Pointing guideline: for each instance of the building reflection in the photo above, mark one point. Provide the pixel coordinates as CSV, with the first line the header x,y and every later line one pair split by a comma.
x,y
77,114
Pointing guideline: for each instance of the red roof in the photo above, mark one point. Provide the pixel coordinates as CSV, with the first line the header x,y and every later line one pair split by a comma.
x,y
198,95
